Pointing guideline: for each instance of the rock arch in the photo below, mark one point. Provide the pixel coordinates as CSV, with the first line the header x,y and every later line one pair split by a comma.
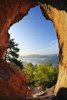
x,y
56,11
11,11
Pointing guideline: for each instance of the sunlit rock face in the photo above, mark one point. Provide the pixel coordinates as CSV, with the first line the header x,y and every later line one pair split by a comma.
x,y
56,11
12,81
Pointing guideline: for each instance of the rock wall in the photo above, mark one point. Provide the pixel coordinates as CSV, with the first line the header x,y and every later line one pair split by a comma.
x,y
11,11
56,11
12,81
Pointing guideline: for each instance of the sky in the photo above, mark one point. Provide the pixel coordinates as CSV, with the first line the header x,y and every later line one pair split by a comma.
x,y
35,34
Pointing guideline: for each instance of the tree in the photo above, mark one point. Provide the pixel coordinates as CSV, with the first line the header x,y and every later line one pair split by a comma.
x,y
12,55
29,72
45,75
41,75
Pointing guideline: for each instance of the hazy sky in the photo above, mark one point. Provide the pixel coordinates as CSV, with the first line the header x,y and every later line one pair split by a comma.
x,y
35,34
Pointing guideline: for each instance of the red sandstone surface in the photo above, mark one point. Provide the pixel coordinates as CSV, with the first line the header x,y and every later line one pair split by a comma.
x,y
12,82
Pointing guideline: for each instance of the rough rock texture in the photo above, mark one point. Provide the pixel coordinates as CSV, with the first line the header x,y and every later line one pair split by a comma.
x,y
12,82
11,11
56,11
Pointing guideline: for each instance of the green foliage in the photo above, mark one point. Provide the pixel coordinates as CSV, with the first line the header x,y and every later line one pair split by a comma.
x,y
45,75
29,72
12,55
41,75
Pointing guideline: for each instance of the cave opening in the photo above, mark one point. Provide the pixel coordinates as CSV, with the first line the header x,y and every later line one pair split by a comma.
x,y
56,11
37,39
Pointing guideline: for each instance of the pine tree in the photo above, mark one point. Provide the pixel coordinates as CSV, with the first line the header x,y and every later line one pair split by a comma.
x,y
12,55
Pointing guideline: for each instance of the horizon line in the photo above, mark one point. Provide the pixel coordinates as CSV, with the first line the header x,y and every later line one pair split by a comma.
x,y
38,54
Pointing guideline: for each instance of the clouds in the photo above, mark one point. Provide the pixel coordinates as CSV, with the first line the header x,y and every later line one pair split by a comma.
x,y
54,41
52,49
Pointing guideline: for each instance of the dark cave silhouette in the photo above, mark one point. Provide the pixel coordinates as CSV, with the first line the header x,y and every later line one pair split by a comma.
x,y
58,4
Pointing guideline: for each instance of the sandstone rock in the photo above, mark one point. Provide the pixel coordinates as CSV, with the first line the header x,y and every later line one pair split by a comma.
x,y
56,11
12,82
11,11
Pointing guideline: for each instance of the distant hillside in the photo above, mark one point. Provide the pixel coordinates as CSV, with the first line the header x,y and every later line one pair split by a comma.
x,y
40,59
